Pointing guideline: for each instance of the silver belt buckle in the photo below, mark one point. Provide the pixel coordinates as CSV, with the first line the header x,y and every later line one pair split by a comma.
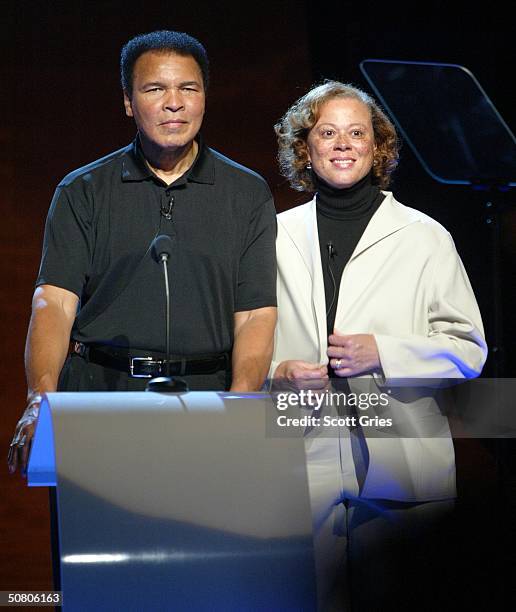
x,y
147,359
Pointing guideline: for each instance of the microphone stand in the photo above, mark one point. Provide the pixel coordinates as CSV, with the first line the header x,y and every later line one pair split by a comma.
x,y
166,384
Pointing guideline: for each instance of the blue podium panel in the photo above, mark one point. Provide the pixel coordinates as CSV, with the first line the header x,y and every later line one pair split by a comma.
x,y
177,502
41,471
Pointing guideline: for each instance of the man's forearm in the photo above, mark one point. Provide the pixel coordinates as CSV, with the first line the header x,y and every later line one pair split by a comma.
x,y
47,341
252,349
53,313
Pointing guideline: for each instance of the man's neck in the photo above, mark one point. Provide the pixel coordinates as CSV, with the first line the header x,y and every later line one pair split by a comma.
x,y
170,165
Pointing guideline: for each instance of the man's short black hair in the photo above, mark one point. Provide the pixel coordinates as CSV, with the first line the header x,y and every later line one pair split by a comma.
x,y
161,41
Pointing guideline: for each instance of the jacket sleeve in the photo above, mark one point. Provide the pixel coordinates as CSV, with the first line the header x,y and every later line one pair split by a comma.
x,y
454,346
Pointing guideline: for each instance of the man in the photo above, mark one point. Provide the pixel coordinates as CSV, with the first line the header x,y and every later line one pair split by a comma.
x,y
98,284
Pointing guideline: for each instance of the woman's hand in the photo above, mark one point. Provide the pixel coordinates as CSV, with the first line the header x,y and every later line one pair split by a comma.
x,y
296,374
353,354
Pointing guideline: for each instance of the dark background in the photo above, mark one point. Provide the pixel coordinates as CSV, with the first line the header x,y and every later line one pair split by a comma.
x,y
61,107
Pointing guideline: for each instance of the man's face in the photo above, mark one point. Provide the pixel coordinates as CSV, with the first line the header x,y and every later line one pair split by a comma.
x,y
168,99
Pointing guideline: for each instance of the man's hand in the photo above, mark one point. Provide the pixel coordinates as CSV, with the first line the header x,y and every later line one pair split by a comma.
x,y
299,375
354,354
53,314
20,446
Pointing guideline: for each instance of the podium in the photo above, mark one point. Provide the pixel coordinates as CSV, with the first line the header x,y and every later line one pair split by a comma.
x,y
175,502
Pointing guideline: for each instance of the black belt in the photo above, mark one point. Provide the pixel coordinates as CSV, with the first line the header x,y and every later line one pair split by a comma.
x,y
149,366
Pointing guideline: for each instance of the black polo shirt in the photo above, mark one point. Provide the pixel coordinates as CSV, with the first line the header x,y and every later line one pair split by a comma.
x,y
102,221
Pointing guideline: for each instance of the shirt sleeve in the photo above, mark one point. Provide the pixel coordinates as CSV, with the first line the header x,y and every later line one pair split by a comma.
x,y
257,269
454,346
67,249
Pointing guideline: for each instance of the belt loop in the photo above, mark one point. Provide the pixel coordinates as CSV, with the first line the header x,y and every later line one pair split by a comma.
x,y
183,367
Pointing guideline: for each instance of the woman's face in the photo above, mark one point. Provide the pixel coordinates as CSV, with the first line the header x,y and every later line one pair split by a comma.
x,y
341,143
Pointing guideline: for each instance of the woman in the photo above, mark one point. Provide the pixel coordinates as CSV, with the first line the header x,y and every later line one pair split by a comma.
x,y
367,287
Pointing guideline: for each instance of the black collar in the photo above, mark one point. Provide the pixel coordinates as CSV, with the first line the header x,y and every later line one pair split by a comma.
x,y
135,169
349,203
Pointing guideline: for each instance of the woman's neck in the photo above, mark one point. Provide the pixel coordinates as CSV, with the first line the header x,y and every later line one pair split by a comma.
x,y
351,202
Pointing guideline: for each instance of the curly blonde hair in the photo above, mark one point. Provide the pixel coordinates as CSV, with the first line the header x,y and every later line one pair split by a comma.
x,y
293,129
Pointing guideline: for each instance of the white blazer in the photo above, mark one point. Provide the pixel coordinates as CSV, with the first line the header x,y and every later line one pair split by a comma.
x,y
406,284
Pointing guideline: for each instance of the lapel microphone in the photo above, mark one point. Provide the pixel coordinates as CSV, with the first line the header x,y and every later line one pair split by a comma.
x,y
331,254
166,208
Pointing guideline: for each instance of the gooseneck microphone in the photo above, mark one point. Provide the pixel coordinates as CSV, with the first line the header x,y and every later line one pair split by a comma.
x,y
161,247
161,250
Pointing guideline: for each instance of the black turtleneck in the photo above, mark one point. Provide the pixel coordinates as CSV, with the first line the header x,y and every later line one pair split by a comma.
x,y
342,216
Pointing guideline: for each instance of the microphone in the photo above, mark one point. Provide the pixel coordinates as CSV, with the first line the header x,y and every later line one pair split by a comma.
x,y
166,208
161,250
331,254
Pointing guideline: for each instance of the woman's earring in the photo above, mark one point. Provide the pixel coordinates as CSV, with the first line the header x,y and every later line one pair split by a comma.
x,y
308,166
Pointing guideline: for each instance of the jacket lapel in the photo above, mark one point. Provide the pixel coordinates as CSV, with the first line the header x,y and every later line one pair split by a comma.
x,y
390,217
305,237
